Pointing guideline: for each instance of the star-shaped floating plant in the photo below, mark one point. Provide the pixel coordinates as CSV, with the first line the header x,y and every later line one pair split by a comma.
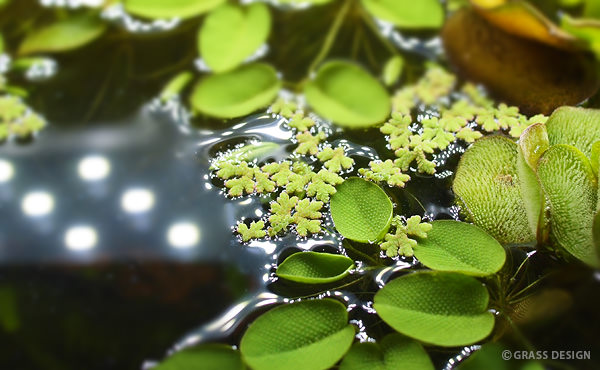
x,y
386,171
335,159
322,185
307,217
300,122
284,108
279,172
397,129
255,231
281,213
309,143
399,242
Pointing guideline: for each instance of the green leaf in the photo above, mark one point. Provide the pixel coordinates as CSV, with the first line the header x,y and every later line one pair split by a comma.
x,y
205,356
232,33
534,142
407,13
460,247
578,127
169,9
392,70
236,93
315,268
442,308
312,334
348,95
312,2
570,186
64,35
395,350
175,85
488,186
361,211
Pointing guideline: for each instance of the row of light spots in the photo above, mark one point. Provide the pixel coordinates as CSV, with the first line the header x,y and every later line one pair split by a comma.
x,y
81,238
93,168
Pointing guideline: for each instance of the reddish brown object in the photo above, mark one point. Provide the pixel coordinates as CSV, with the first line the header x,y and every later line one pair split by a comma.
x,y
536,77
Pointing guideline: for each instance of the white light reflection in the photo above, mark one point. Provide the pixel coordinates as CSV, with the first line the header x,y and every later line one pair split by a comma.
x,y
81,238
137,200
38,203
93,168
7,171
183,235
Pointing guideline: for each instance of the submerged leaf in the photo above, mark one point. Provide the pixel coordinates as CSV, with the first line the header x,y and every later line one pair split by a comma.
x,y
313,333
407,13
442,308
205,356
460,247
515,69
231,33
570,185
394,350
348,95
360,210
64,35
489,188
169,9
236,93
314,267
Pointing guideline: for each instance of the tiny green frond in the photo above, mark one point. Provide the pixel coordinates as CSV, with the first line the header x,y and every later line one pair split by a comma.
x,y
414,227
404,100
284,108
279,172
281,213
307,217
309,143
322,185
436,83
335,159
399,243
255,231
263,183
300,122
240,185
468,135
386,172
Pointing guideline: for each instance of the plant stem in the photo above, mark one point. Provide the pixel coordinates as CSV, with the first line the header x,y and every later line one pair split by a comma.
x,y
331,36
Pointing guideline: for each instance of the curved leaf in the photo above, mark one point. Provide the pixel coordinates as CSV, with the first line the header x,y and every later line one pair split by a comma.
x,y
348,95
460,247
64,35
312,2
205,356
489,188
313,333
392,70
236,93
395,350
171,8
441,308
315,268
533,143
570,185
578,127
407,13
360,210
231,33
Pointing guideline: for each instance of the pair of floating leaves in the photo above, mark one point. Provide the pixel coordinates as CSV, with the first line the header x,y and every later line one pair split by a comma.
x,y
231,33
361,210
236,93
313,335
441,308
64,35
206,356
314,267
407,13
460,247
170,9
394,351
348,95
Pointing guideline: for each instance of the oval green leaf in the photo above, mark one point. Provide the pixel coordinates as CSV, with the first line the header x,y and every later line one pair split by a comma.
x,y
395,349
169,9
460,247
348,95
407,13
578,127
392,70
361,210
569,183
488,186
68,34
311,2
236,93
231,33
312,334
206,356
315,268
442,308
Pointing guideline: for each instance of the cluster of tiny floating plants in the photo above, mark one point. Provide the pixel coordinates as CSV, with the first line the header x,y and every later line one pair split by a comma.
x,y
418,118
